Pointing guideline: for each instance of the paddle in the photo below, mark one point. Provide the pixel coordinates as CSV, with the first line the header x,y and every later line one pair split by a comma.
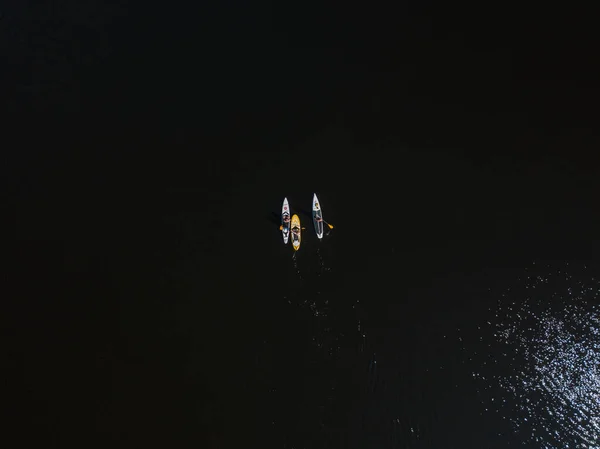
x,y
330,226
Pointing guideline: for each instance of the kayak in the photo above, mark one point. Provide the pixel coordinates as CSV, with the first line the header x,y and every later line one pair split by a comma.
x,y
317,214
285,225
296,237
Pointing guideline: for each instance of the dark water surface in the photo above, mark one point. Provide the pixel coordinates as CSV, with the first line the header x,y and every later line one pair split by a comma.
x,y
156,305
186,318
417,281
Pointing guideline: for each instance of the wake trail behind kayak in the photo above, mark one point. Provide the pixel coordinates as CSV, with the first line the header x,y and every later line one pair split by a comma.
x,y
322,266
296,267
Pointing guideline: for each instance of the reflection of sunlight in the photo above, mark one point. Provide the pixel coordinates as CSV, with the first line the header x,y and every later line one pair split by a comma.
x,y
363,338
321,305
322,267
296,267
553,349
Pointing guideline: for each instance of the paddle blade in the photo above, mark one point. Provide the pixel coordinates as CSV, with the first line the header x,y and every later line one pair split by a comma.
x,y
281,228
330,226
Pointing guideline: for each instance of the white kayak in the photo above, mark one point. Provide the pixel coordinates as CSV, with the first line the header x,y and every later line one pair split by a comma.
x,y
317,214
285,220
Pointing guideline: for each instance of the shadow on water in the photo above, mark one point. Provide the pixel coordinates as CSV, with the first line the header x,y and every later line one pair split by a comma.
x,y
274,218
304,212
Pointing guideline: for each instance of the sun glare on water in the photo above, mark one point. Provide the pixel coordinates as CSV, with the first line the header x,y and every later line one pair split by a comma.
x,y
546,362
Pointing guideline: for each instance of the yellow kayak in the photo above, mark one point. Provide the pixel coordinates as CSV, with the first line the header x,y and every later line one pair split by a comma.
x,y
296,232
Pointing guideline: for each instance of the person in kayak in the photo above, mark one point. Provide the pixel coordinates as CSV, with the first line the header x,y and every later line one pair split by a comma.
x,y
319,219
286,218
296,230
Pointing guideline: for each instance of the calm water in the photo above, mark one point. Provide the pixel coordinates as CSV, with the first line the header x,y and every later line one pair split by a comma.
x,y
156,305
378,335
410,325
